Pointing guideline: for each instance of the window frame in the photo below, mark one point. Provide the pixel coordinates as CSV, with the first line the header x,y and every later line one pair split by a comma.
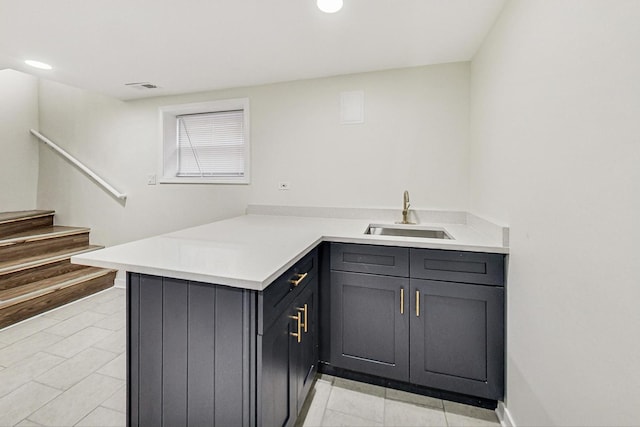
x,y
167,167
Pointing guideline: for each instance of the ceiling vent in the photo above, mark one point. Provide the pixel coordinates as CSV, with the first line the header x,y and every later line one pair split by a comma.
x,y
142,85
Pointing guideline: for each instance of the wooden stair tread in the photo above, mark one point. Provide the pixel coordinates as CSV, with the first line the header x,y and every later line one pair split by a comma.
x,y
41,234
37,302
41,260
23,293
6,217
36,273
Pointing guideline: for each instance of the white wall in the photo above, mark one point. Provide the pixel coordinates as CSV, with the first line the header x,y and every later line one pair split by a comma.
x,y
415,137
19,158
119,141
555,153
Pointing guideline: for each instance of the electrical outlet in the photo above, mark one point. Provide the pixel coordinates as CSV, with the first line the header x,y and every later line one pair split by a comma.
x,y
284,186
151,179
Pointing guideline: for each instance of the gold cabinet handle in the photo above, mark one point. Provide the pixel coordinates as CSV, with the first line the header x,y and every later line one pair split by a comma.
x,y
297,334
300,279
417,303
401,300
304,310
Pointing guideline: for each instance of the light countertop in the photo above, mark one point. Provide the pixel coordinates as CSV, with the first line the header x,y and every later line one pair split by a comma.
x,y
251,251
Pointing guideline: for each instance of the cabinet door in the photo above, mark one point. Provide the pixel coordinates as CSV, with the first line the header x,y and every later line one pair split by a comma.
x,y
457,337
307,307
369,325
277,369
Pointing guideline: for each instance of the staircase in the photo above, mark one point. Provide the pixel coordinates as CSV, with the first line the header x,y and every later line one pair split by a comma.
x,y
36,274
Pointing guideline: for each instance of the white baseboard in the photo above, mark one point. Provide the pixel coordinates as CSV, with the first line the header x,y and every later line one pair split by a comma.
x,y
504,416
121,280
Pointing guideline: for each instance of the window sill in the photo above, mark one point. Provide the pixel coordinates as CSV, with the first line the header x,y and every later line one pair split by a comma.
x,y
176,180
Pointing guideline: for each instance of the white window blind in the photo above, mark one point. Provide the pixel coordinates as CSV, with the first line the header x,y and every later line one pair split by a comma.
x,y
211,144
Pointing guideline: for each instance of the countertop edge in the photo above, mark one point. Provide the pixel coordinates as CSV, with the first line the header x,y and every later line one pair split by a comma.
x,y
260,285
390,241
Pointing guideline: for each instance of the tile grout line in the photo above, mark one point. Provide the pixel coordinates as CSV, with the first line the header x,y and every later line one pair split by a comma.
x,y
44,404
110,376
27,419
350,414
384,407
62,390
326,405
109,409
94,371
104,349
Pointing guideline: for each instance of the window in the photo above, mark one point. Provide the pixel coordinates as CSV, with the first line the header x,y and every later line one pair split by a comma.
x,y
206,142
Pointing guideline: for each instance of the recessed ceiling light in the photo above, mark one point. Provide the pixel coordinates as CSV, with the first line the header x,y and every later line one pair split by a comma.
x,y
38,64
329,6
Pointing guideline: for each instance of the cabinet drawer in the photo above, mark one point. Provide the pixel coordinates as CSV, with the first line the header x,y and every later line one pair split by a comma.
x,y
385,260
457,266
275,298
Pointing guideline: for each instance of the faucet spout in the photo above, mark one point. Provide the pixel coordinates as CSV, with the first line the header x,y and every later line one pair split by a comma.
x,y
405,208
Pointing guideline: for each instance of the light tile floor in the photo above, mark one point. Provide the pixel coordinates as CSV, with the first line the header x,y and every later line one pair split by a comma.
x,y
67,368
341,402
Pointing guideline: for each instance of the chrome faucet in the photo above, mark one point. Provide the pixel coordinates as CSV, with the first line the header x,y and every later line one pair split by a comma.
x,y
405,208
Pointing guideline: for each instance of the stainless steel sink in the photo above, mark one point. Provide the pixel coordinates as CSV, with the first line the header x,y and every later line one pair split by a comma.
x,y
407,231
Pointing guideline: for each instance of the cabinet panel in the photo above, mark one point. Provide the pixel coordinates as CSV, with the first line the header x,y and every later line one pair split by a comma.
x,y
174,358
307,306
150,352
133,344
287,364
231,355
201,353
188,353
369,328
277,384
458,266
386,260
457,339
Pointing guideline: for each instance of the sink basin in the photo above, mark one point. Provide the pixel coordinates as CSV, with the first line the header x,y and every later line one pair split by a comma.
x,y
402,230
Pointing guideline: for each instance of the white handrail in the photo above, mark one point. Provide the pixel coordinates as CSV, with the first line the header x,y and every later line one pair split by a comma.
x,y
80,166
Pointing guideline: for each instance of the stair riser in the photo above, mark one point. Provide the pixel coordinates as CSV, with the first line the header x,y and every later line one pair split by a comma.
x,y
38,247
24,310
35,274
25,225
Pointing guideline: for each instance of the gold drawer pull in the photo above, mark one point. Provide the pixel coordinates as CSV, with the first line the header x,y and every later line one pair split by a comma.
x,y
298,334
417,303
304,310
300,279
401,300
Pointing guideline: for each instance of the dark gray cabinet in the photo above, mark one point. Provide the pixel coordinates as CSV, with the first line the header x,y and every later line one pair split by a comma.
x,y
428,317
307,349
205,354
188,353
369,324
288,358
278,360
456,337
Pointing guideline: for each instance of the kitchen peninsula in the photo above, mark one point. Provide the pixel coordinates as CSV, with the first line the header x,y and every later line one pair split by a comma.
x,y
228,322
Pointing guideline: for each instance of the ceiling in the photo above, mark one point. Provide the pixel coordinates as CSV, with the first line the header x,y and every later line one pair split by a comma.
x,y
196,45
